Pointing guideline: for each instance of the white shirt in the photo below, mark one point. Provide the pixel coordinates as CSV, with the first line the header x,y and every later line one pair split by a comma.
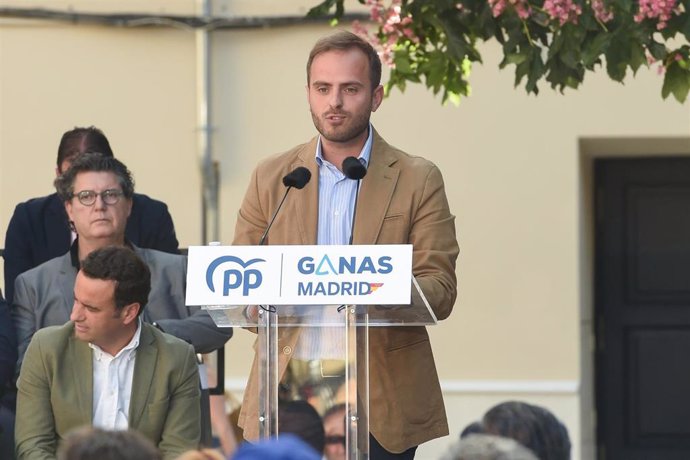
x,y
112,384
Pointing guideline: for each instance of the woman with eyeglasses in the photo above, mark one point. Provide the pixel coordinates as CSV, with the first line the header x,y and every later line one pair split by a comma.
x,y
97,193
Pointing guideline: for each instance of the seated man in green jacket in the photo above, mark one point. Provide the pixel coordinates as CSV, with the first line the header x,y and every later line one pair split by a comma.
x,y
107,368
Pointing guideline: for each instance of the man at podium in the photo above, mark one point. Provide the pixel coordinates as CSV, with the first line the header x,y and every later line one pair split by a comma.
x,y
395,198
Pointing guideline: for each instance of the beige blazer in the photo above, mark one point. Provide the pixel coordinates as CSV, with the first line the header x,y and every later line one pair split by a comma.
x,y
55,392
402,200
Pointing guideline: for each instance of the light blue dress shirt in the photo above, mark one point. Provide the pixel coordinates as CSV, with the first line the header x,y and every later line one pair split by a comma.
x,y
337,195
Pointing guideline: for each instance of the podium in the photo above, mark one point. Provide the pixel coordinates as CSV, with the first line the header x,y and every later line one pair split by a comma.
x,y
327,341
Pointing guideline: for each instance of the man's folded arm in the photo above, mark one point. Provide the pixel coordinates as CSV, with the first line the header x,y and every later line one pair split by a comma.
x,y
198,329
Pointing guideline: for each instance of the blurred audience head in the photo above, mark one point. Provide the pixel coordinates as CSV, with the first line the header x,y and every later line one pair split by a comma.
x,y
472,428
81,140
334,426
487,447
97,444
532,426
301,419
285,447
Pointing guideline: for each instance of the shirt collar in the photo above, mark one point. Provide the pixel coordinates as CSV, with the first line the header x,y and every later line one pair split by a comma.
x,y
364,154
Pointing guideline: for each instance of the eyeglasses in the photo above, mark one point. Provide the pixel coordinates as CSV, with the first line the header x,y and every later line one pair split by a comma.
x,y
88,197
335,440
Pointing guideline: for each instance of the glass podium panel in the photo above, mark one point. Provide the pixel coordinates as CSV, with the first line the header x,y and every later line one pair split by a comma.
x,y
313,361
325,380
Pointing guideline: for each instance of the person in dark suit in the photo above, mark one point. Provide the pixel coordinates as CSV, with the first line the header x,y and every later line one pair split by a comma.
x,y
402,200
39,229
107,368
97,194
8,358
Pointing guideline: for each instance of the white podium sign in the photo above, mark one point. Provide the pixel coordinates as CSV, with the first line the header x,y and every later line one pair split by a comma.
x,y
299,275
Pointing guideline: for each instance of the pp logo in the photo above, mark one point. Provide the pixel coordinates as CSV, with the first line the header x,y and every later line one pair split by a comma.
x,y
234,278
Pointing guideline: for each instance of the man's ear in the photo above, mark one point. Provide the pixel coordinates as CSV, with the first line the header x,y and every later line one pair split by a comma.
x,y
377,98
130,312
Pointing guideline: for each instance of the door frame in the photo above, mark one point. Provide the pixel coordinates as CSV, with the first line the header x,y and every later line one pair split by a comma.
x,y
590,149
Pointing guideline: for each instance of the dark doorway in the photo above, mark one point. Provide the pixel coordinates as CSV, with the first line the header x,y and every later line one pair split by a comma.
x,y
642,308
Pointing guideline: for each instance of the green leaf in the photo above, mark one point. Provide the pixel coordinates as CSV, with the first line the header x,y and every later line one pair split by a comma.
x,y
676,82
323,8
570,59
456,40
435,76
598,46
536,72
521,70
637,57
617,57
556,44
657,50
451,97
685,28
402,63
626,5
514,59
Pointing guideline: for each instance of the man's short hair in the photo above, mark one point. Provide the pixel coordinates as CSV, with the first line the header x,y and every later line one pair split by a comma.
x,y
120,264
301,419
94,162
487,447
82,140
98,444
534,427
337,409
345,41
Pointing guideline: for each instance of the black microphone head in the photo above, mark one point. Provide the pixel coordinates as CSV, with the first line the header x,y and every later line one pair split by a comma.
x,y
297,178
353,168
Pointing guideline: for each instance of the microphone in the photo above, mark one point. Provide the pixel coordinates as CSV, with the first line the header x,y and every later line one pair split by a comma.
x,y
355,170
297,178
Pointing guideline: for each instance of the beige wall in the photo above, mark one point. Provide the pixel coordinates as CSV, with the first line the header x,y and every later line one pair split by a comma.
x,y
513,165
137,85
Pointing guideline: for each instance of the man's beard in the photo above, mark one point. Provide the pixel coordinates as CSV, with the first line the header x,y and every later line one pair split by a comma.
x,y
343,133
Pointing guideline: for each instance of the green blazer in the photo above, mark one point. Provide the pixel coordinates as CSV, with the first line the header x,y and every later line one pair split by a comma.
x,y
55,392
402,200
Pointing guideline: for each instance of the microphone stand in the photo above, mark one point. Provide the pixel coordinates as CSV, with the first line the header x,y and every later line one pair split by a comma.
x,y
354,214
262,240
355,170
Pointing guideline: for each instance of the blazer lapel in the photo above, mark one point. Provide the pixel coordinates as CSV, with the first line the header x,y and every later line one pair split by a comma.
x,y
307,204
82,372
144,369
375,193
67,277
